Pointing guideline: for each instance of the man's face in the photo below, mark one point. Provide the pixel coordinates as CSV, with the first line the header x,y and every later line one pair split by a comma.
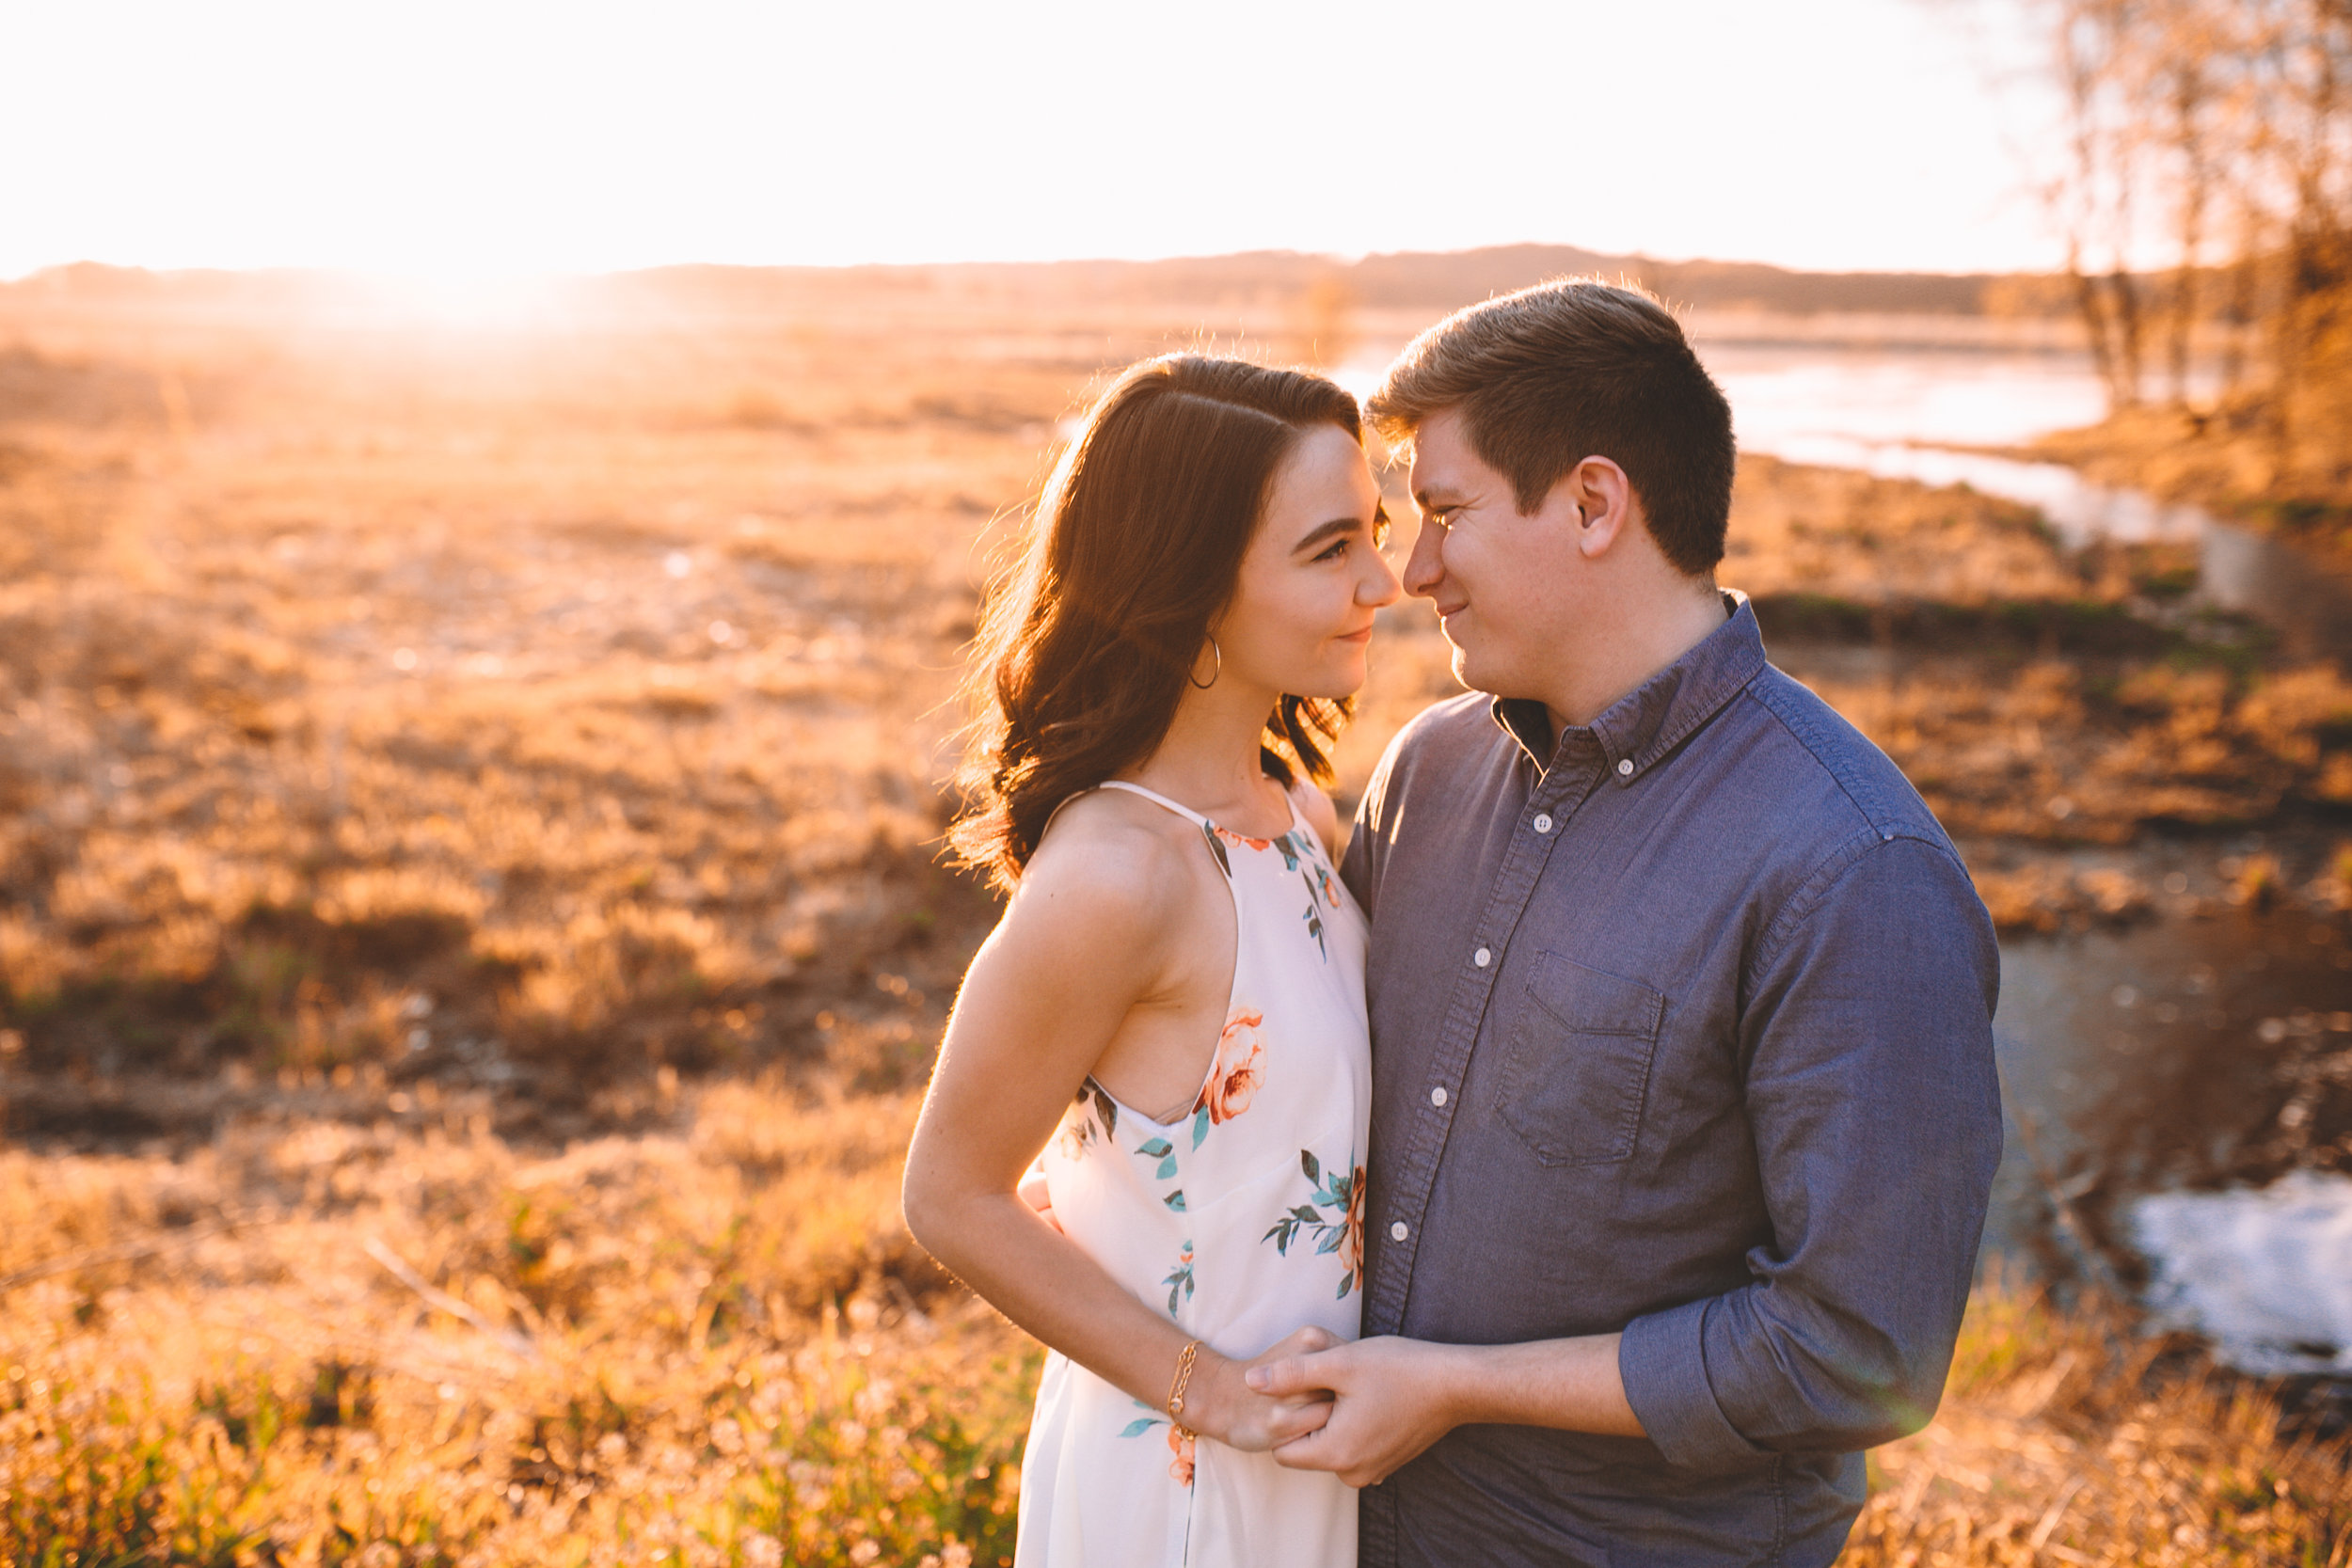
x,y
1499,578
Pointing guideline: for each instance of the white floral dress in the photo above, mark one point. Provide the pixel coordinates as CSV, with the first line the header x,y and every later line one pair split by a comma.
x,y
1242,1220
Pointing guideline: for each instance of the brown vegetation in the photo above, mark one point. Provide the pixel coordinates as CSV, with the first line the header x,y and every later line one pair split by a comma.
x,y
324,1344
473,927
328,1345
2066,1438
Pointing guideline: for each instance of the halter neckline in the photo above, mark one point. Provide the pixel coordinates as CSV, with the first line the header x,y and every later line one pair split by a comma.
x,y
1196,818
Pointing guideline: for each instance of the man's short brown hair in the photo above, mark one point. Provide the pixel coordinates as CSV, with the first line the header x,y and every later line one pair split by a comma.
x,y
1574,369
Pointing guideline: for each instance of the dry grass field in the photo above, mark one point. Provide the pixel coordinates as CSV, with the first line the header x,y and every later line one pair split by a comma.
x,y
471,929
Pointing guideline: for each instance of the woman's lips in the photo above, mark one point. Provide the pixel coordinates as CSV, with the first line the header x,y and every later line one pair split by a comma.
x,y
1356,637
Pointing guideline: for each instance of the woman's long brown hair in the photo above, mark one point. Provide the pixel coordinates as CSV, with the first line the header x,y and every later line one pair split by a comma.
x,y
1136,543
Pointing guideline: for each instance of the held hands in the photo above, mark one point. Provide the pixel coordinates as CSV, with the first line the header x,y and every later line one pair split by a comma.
x,y
1392,1398
1221,1402
1224,1403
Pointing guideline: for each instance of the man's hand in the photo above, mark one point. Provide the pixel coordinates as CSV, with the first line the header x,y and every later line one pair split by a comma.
x,y
1224,1401
1394,1398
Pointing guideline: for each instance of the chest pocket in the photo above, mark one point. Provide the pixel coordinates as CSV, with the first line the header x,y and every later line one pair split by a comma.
x,y
1577,1063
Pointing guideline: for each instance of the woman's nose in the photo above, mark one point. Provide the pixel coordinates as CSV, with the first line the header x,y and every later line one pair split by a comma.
x,y
1380,586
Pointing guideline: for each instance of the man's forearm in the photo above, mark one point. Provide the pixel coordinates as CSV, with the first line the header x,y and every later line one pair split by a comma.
x,y
1571,1385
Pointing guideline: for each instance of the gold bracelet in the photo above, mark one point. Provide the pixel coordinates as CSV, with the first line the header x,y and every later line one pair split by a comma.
x,y
1184,1359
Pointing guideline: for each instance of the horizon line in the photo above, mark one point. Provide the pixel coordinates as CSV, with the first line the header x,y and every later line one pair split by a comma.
x,y
1336,258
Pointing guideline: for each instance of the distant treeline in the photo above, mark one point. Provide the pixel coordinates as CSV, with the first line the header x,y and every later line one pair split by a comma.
x,y
1433,281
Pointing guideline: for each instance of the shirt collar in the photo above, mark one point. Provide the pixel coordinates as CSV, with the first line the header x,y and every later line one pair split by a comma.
x,y
1656,715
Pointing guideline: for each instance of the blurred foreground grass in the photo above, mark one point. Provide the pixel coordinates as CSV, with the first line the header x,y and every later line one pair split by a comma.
x,y
703,1348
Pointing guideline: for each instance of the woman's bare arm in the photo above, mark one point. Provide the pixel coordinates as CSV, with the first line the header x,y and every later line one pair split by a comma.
x,y
1085,939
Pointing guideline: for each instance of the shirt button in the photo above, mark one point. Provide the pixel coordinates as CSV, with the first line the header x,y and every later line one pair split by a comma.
x,y
1625,769
1398,1231
1543,822
1437,1096
1484,956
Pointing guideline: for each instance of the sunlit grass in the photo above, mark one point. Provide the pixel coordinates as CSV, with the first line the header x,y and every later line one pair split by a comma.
x,y
705,1349
701,1349
2065,1437
468,836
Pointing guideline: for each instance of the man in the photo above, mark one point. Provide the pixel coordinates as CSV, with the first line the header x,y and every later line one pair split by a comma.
x,y
1684,1113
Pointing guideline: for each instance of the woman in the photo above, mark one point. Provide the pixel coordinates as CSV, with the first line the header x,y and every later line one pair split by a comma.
x,y
1172,1008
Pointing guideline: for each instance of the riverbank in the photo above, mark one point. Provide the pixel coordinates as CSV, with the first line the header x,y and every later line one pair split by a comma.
x,y
2226,460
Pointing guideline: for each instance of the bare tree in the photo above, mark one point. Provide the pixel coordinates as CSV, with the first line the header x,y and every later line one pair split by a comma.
x,y
2180,111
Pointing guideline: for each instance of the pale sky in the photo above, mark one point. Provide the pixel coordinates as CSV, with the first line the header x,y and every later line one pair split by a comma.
x,y
498,138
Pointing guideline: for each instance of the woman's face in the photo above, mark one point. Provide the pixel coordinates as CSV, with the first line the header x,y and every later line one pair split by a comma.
x,y
1301,616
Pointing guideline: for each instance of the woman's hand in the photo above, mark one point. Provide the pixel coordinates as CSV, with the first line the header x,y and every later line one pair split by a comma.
x,y
1393,1399
1220,1405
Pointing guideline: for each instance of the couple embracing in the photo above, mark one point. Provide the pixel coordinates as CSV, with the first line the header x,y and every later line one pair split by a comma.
x,y
1583,1169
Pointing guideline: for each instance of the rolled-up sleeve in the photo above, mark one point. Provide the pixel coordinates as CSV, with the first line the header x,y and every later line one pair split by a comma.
x,y
1868,1045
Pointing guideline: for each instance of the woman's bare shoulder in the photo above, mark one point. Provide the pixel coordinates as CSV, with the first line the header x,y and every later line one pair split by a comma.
x,y
1112,861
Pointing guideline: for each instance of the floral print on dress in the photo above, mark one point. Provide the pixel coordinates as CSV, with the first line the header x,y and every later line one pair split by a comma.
x,y
1161,1150
1352,1249
1180,1443
1292,849
1224,862
1237,1074
1094,1113
1342,1231
1302,855
1319,897
1180,1282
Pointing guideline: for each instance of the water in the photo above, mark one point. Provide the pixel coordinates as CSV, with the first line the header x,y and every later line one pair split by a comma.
x,y
1902,416
2128,1058
2266,1273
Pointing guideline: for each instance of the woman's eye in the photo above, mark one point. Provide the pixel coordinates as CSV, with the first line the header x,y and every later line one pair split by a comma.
x,y
1337,548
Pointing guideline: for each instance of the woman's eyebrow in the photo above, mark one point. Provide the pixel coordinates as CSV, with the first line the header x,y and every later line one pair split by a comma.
x,y
1331,529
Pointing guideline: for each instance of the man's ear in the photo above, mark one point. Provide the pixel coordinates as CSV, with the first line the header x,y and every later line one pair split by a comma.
x,y
1604,505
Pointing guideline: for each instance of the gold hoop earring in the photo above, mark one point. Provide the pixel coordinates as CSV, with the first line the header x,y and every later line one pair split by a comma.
x,y
1219,653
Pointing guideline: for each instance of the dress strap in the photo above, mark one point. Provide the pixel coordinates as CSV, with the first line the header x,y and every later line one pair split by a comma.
x,y
1185,812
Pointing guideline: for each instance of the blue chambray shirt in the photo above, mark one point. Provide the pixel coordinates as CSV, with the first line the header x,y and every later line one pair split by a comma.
x,y
1682,1024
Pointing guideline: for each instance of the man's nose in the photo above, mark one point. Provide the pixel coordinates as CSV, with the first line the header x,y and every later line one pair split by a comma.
x,y
1424,568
